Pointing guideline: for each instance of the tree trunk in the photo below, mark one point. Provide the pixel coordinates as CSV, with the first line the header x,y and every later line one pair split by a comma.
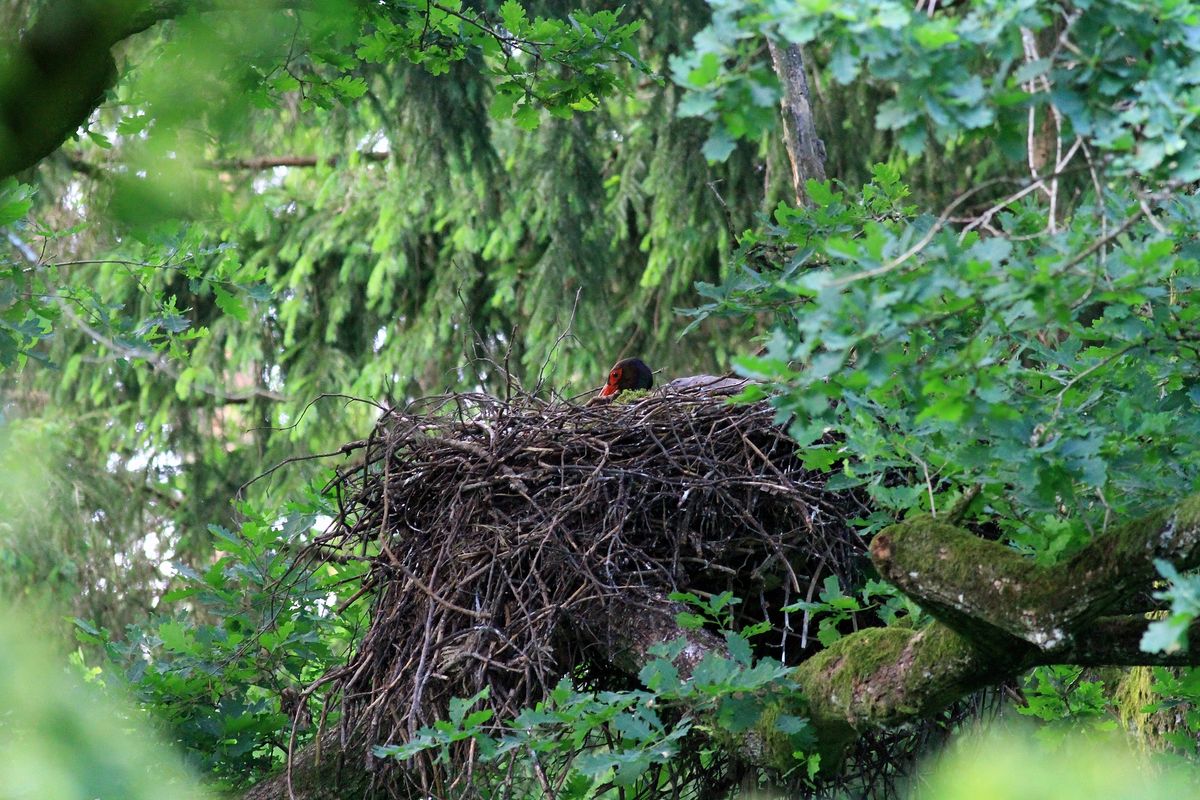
x,y
805,150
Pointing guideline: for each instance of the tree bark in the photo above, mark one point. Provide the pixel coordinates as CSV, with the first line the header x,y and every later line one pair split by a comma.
x,y
59,71
805,150
998,615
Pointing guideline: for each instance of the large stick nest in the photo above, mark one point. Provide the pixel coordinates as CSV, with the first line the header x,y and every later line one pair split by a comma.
x,y
497,528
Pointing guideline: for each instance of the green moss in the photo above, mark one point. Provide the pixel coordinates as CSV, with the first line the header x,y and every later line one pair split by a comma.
x,y
627,396
831,681
958,576
947,554
885,676
1131,697
848,661
943,665
1132,539
778,748
1187,513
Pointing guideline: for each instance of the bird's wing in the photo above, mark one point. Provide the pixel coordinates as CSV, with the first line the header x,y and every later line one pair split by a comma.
x,y
711,384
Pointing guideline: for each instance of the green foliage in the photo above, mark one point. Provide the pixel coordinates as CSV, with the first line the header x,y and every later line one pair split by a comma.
x,y
1064,693
516,52
1169,635
218,676
1118,72
65,740
834,608
60,543
27,310
716,610
1007,763
636,738
40,294
1055,370
633,739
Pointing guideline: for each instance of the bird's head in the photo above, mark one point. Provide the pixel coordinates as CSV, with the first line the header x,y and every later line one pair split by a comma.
x,y
631,373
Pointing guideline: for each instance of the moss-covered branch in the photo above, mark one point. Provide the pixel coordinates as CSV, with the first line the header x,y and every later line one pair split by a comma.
x,y
990,593
886,676
998,614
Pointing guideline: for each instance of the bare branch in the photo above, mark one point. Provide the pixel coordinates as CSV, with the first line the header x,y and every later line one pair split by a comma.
x,y
270,162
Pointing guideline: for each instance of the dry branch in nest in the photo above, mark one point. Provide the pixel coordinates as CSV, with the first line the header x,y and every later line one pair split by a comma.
x,y
505,536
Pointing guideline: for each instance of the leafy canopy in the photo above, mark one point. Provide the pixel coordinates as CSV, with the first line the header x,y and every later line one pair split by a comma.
x,y
1034,337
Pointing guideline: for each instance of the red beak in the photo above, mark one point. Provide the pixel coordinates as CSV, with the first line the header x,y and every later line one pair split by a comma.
x,y
609,390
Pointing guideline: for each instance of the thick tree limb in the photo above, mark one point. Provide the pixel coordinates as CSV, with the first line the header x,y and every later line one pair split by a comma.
x,y
991,594
998,615
58,72
53,79
881,677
